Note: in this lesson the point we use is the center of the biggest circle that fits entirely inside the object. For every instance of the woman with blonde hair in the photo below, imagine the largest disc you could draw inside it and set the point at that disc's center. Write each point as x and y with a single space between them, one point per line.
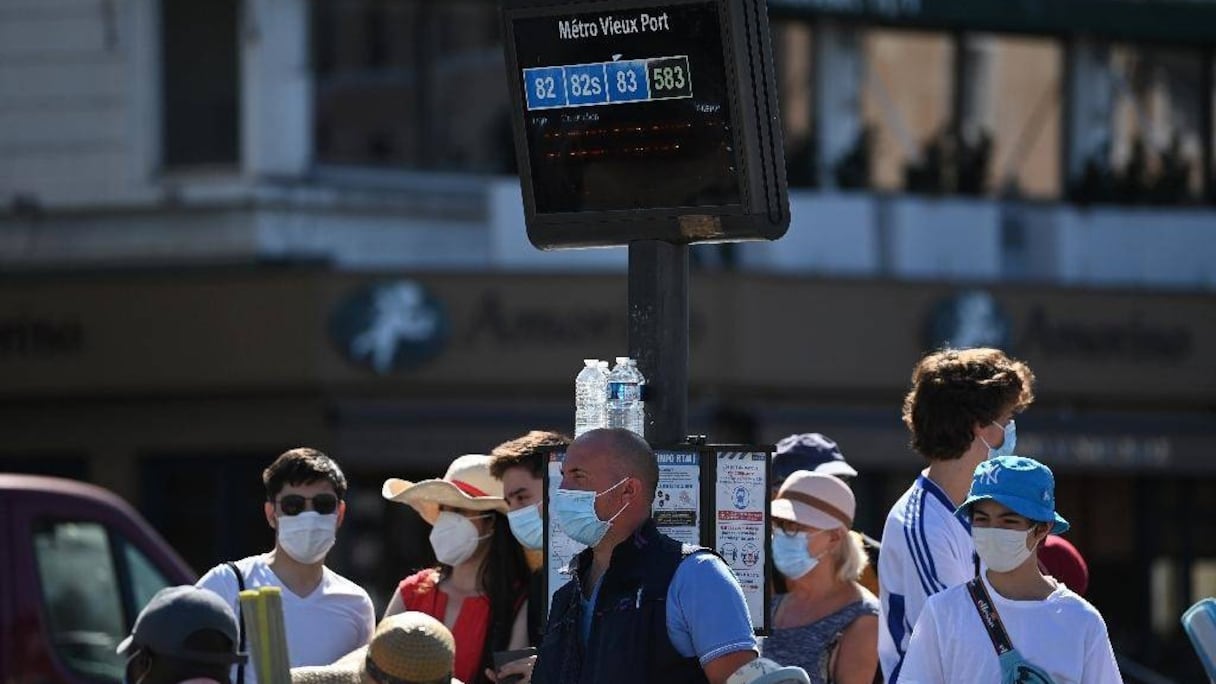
826 622
479 590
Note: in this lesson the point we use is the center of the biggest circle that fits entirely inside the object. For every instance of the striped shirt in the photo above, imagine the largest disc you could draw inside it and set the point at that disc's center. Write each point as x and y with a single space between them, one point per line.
926 548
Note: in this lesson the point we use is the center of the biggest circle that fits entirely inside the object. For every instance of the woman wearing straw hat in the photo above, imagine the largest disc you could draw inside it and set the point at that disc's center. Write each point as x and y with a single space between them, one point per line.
408 648
827 623
479 589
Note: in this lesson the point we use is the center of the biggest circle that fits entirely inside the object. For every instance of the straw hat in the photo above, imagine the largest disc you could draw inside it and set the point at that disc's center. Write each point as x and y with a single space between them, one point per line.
467 484
814 499
407 648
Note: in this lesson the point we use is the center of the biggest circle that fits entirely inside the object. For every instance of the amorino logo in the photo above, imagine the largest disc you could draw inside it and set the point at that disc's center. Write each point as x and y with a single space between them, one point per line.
390 326
967 319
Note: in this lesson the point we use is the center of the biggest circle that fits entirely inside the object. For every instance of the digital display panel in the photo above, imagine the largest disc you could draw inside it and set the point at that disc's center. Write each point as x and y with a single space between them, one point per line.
627 109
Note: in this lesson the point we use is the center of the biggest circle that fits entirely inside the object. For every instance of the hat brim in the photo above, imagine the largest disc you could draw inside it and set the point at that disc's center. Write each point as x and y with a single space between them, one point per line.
338 673
803 514
428 495
1031 510
836 468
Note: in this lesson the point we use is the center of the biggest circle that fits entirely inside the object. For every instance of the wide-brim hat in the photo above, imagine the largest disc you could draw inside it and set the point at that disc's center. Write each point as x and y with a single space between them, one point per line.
467 484
408 647
816 500
1023 485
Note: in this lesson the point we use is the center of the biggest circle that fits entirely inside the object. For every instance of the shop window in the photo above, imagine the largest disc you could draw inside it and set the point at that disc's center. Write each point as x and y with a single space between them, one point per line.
906 103
200 83
1012 112
410 84
793 60
80 590
1154 154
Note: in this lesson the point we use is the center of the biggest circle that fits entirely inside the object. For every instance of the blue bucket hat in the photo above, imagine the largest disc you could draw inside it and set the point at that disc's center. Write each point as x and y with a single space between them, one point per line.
1022 484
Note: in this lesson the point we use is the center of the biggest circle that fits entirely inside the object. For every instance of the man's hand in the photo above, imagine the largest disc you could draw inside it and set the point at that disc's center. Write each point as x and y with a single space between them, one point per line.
522 667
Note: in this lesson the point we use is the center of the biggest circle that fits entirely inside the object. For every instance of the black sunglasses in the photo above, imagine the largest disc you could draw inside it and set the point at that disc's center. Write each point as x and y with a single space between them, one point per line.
294 504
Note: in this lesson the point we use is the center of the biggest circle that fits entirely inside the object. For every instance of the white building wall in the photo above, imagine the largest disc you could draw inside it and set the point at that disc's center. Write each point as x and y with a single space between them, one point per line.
68 116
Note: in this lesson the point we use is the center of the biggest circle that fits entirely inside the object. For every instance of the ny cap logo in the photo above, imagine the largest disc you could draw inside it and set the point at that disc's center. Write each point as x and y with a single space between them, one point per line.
989 475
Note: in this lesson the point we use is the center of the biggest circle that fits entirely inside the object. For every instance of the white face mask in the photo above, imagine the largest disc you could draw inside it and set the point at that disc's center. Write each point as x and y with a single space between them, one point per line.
1001 550
454 538
307 537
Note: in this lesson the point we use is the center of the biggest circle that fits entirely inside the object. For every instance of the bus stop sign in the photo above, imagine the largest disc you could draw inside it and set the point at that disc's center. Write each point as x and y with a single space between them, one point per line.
645 121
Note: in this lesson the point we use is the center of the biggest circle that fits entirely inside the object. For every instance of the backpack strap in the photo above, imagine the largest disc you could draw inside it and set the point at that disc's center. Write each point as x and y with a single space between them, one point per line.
989 616
240 618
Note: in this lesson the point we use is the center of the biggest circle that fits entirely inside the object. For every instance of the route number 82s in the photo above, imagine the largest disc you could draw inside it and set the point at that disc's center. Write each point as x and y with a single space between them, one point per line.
585 84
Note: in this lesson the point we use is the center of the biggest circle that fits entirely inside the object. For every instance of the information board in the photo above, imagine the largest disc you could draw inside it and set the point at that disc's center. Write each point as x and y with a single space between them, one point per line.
741 529
643 120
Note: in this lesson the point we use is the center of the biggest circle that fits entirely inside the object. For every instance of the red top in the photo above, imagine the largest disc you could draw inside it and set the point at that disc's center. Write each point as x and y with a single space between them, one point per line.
419 592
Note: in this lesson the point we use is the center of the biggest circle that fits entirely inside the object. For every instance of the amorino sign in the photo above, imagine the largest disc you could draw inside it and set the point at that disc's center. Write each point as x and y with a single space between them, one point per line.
753 336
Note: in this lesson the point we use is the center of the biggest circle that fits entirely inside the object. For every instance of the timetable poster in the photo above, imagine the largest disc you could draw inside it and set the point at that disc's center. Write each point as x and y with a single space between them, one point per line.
677 503
740 530
559 548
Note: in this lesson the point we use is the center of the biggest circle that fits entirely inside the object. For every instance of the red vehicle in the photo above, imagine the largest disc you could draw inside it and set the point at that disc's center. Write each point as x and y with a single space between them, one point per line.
77 564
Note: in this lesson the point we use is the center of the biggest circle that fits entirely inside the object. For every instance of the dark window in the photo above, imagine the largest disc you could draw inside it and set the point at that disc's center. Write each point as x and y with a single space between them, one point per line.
200 82
80 589
410 84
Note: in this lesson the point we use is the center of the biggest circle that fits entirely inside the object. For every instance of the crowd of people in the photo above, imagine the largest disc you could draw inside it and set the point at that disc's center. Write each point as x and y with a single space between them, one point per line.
970 582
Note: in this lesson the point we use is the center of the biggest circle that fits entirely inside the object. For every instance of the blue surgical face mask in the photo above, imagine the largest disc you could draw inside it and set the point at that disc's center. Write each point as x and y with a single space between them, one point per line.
527 526
1007 445
574 510
791 555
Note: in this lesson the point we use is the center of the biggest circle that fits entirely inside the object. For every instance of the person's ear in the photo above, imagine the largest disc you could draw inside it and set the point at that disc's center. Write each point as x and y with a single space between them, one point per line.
268 509
1039 532
341 511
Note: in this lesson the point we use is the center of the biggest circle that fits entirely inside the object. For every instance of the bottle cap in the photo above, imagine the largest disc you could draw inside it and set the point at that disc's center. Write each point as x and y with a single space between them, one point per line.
592 362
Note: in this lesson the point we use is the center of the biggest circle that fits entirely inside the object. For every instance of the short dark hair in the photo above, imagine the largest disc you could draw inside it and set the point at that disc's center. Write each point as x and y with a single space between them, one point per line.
302 466
528 451
633 457
953 390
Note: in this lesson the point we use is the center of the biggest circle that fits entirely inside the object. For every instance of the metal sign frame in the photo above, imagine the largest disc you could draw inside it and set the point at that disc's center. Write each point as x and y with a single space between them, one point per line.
763 210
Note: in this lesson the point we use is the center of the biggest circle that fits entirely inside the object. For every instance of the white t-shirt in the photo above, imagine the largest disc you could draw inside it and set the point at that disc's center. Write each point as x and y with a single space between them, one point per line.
335 619
925 549
1063 635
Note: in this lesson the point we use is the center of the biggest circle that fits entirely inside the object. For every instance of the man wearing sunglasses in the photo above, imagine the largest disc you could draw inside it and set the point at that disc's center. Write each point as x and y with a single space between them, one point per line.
326 615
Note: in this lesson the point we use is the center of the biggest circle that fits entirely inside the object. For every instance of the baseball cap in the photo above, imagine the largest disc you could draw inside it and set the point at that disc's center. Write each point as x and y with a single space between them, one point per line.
1063 561
1022 484
809 451
815 499
174 615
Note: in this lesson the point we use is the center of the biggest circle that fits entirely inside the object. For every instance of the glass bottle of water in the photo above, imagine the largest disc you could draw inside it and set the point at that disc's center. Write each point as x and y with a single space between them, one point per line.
590 397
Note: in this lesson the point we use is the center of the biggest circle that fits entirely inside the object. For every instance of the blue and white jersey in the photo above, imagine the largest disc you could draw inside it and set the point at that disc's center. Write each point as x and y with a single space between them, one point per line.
926 548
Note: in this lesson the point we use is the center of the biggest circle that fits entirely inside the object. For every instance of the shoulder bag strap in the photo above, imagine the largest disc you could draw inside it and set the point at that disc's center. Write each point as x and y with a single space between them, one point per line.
989 616
240 618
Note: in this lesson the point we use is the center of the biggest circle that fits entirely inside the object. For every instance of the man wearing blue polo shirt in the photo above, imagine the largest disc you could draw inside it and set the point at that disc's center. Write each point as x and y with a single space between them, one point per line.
640 607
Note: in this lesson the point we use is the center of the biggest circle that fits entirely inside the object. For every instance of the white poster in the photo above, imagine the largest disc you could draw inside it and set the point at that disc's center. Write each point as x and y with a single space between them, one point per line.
677 503
740 532
560 548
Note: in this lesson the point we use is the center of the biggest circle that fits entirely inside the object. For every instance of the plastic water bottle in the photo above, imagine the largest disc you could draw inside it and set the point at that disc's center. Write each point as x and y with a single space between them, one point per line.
590 396
625 407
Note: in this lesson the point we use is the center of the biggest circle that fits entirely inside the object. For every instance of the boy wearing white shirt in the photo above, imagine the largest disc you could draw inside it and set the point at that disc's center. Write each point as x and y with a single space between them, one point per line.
1013 624
959 411
326 615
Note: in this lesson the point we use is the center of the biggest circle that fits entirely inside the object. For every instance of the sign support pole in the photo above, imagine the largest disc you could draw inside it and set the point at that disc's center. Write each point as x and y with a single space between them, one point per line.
658 334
